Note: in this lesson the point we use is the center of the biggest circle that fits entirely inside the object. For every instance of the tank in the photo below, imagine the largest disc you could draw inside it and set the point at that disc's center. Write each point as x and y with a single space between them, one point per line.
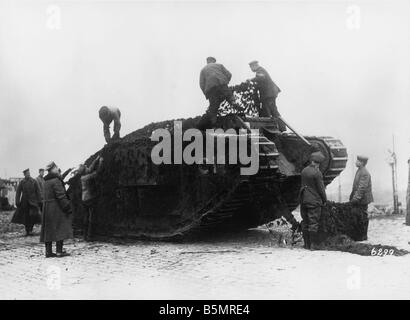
138 198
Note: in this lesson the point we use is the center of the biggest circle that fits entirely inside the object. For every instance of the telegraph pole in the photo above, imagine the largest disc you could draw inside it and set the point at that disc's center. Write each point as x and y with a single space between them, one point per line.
408 198
393 163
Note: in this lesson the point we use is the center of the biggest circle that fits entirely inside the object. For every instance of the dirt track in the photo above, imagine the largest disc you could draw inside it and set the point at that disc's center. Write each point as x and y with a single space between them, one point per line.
251 265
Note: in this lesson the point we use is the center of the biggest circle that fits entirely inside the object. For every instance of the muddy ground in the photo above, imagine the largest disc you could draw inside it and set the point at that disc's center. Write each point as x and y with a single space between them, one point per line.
255 264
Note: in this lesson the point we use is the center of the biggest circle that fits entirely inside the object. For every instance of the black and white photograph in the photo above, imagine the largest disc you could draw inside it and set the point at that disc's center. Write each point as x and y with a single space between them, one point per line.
204 150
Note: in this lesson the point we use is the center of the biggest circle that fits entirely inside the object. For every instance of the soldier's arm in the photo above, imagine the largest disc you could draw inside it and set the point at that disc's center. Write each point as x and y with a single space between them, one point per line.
202 81
18 194
61 196
362 186
321 187
259 77
38 191
107 134
227 73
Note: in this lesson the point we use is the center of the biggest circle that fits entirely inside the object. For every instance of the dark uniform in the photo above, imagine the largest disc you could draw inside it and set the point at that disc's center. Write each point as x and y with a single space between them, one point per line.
268 92
312 197
360 197
28 200
57 214
213 80
89 193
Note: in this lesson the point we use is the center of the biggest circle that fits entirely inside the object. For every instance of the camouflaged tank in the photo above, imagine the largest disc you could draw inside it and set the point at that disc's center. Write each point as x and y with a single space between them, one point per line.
137 198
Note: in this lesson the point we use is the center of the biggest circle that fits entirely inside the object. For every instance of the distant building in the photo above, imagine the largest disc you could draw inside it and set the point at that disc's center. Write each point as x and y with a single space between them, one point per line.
8 189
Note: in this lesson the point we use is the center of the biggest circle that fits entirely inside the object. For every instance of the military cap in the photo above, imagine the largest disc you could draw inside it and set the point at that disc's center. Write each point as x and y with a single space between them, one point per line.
50 166
362 158
253 62
317 157
24 171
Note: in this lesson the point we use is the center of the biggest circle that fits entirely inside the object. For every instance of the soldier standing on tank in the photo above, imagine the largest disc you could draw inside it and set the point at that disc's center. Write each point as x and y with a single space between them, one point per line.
312 198
361 195
268 92
108 115
214 80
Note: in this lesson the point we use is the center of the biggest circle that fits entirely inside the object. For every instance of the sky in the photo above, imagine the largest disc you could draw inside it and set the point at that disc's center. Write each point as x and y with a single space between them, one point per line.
342 66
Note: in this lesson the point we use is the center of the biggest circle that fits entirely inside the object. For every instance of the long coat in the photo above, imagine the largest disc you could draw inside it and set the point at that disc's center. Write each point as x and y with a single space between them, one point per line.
28 198
267 88
312 191
57 213
40 181
362 187
213 75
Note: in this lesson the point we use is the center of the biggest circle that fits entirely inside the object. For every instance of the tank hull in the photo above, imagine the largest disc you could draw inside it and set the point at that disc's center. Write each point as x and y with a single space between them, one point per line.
140 199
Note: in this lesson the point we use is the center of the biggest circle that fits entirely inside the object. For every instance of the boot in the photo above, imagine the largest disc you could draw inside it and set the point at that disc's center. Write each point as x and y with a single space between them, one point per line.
306 240
49 250
59 249
315 241
28 230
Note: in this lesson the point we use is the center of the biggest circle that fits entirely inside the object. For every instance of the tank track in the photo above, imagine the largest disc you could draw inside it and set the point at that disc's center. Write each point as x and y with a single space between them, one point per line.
248 189
336 157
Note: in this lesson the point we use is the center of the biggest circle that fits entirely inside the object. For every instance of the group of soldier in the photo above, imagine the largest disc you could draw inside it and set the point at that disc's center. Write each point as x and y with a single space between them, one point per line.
47 194
44 200
214 79
313 198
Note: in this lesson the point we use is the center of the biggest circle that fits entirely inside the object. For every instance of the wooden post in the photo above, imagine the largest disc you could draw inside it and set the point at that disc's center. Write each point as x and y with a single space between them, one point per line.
408 199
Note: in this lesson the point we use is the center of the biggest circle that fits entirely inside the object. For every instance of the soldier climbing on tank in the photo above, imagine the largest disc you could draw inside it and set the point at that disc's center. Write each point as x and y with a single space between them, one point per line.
312 198
108 115
213 80
361 195
89 192
268 92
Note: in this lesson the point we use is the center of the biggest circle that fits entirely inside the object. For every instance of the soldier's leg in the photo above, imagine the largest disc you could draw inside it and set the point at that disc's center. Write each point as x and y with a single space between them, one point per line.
314 220
358 221
365 220
214 102
59 249
273 107
49 249
86 222
265 110
59 246
304 226
227 94
275 113
90 217
117 127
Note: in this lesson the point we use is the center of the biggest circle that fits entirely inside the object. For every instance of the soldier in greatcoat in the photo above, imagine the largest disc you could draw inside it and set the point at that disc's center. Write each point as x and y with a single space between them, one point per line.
57 213
28 201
